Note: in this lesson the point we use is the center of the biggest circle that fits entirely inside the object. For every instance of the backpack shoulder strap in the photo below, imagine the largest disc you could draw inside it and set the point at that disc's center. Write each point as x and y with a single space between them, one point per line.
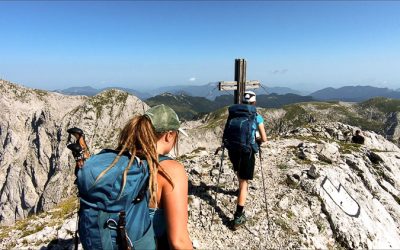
107 150
163 158
143 191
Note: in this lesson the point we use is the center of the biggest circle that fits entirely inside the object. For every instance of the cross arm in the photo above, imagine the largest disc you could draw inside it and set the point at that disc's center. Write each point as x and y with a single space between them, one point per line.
232 85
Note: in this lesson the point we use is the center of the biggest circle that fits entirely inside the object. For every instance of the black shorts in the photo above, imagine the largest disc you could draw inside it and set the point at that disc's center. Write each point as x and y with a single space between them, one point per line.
243 163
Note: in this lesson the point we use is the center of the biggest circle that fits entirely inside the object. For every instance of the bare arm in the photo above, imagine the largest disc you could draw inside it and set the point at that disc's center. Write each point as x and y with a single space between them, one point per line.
175 204
263 134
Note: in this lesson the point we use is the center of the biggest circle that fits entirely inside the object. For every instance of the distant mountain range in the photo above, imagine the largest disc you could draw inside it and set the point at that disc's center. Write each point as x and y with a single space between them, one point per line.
354 93
268 101
286 95
209 91
190 107
90 91
85 90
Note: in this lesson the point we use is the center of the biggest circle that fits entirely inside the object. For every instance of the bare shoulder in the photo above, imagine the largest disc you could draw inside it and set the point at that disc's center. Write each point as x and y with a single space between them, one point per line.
174 169
177 175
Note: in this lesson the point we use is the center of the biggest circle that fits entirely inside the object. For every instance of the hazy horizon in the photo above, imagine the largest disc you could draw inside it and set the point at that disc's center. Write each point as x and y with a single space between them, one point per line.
147 89
305 46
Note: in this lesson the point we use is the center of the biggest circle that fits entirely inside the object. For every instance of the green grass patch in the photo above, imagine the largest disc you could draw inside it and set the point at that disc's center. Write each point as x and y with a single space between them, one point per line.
65 208
33 230
364 123
303 161
206 165
40 93
109 97
283 166
27 226
283 225
4 231
296 115
324 105
216 118
386 105
198 150
290 214
187 107
356 118
185 157
320 225
348 148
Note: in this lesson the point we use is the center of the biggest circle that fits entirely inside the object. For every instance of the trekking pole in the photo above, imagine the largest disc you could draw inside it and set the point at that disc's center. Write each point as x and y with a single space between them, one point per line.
80 151
219 175
263 180
123 237
76 238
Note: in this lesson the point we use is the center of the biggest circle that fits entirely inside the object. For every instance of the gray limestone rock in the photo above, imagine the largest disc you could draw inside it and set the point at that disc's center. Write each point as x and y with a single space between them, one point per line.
37 166
354 203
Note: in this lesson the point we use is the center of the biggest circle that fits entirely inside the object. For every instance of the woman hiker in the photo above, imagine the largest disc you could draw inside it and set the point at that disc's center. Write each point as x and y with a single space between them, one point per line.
148 138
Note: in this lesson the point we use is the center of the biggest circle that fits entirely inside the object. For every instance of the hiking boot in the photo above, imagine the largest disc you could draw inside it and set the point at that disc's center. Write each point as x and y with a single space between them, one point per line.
238 221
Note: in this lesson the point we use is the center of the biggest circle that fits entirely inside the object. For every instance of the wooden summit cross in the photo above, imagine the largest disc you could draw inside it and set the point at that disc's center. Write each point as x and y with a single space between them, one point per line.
240 84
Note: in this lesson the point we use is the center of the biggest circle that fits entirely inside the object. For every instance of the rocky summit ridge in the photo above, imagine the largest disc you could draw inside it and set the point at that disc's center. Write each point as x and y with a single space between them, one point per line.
322 191
36 167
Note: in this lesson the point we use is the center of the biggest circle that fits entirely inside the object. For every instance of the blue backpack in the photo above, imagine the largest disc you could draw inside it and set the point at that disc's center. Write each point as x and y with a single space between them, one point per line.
238 133
110 219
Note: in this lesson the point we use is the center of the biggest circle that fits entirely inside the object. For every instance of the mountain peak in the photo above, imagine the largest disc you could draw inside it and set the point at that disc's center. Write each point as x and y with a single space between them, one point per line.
354 93
169 94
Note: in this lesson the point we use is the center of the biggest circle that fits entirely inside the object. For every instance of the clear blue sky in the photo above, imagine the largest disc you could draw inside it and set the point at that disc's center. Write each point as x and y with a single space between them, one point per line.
142 45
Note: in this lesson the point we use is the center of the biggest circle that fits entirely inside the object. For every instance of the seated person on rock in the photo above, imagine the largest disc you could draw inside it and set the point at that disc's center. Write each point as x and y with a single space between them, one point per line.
358 138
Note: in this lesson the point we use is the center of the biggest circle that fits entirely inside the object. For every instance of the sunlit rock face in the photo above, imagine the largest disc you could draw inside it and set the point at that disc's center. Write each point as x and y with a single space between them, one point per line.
36 167
321 190
393 127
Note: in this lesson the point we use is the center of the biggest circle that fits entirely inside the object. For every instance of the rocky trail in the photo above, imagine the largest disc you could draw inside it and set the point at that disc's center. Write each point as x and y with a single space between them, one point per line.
351 200
259 232
323 192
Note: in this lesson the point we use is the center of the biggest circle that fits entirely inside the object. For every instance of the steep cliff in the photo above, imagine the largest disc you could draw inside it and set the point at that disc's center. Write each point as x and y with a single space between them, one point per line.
322 191
36 167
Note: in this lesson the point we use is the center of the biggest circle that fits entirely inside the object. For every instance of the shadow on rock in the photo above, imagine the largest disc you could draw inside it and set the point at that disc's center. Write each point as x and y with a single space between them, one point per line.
60 244
201 191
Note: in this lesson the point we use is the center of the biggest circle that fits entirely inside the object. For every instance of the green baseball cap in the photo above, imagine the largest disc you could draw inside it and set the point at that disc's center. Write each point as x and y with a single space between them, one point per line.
164 119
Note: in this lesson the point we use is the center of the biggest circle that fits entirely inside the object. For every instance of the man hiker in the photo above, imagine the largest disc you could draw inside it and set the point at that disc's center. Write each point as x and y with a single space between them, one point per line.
241 156
358 138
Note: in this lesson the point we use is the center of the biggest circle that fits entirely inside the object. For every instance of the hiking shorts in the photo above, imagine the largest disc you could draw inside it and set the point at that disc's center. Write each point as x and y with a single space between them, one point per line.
243 164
